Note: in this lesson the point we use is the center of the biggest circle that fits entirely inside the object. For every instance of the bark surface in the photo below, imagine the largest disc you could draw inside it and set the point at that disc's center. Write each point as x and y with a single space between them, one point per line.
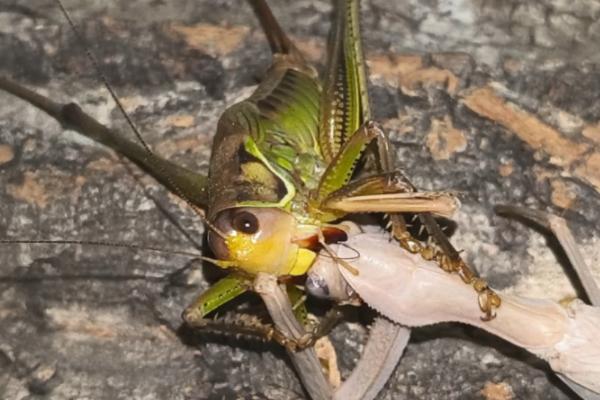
496 100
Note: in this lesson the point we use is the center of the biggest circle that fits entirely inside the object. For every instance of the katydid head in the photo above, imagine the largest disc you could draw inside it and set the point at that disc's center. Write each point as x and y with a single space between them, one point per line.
259 239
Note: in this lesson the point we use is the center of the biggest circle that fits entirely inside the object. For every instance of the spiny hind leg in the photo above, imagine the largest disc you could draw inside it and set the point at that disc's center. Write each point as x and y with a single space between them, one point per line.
397 223
389 192
444 253
251 326
247 325
222 292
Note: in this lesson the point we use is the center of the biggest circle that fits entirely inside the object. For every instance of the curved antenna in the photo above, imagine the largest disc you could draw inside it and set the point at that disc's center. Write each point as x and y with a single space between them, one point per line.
219 263
103 78
559 227
9 278
101 243
130 123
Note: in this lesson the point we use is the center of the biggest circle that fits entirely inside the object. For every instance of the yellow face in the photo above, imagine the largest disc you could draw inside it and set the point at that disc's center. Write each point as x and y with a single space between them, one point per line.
260 240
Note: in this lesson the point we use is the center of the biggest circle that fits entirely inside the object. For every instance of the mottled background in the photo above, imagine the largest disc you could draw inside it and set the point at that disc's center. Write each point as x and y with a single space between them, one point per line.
495 99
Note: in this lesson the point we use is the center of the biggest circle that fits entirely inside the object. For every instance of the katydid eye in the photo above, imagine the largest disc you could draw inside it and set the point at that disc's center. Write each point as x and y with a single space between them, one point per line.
245 222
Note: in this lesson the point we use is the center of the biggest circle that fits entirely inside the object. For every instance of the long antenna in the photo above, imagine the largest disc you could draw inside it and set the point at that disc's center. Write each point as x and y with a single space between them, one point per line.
101 243
137 133
103 78
220 263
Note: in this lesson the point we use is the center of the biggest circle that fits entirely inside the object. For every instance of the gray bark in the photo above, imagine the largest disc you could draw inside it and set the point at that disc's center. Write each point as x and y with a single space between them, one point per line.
103 323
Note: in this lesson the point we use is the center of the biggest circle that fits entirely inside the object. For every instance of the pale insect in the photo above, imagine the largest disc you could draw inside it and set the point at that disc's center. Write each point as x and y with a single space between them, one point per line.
414 292
176 82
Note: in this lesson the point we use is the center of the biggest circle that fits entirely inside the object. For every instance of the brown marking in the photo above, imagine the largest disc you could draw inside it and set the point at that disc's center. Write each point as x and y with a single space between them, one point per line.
497 391
328 358
592 132
30 191
541 173
104 164
389 67
408 72
193 144
506 169
313 49
590 170
434 77
6 154
180 121
217 41
456 62
513 66
80 322
40 187
131 103
540 136
29 145
561 195
444 140
76 192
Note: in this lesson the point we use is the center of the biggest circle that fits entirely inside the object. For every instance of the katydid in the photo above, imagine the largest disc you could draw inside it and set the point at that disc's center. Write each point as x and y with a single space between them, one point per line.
283 160
282 164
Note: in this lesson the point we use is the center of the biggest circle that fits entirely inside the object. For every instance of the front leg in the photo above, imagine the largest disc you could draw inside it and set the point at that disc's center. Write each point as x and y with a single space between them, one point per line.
232 286
286 329
251 326
225 290
558 226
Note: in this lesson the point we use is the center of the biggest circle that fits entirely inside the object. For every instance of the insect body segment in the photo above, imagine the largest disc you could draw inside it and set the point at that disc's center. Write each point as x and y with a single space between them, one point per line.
260 240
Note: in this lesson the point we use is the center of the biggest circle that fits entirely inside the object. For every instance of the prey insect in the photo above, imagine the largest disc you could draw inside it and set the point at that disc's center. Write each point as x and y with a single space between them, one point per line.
565 335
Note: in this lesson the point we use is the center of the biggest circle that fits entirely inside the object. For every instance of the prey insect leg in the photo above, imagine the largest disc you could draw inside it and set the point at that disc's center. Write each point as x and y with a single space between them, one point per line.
558 226
251 326
561 230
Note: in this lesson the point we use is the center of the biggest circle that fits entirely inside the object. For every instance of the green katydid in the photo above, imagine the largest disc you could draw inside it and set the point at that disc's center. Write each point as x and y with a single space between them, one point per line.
283 166
283 160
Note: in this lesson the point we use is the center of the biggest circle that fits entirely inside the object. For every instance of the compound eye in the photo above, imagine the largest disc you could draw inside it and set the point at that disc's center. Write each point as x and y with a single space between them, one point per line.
245 222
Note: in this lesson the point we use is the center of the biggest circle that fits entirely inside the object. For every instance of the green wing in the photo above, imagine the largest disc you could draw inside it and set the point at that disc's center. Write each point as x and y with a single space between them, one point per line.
345 100
266 149
287 122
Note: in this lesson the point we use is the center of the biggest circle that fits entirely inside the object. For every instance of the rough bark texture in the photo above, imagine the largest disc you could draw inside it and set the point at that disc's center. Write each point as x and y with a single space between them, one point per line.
513 119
